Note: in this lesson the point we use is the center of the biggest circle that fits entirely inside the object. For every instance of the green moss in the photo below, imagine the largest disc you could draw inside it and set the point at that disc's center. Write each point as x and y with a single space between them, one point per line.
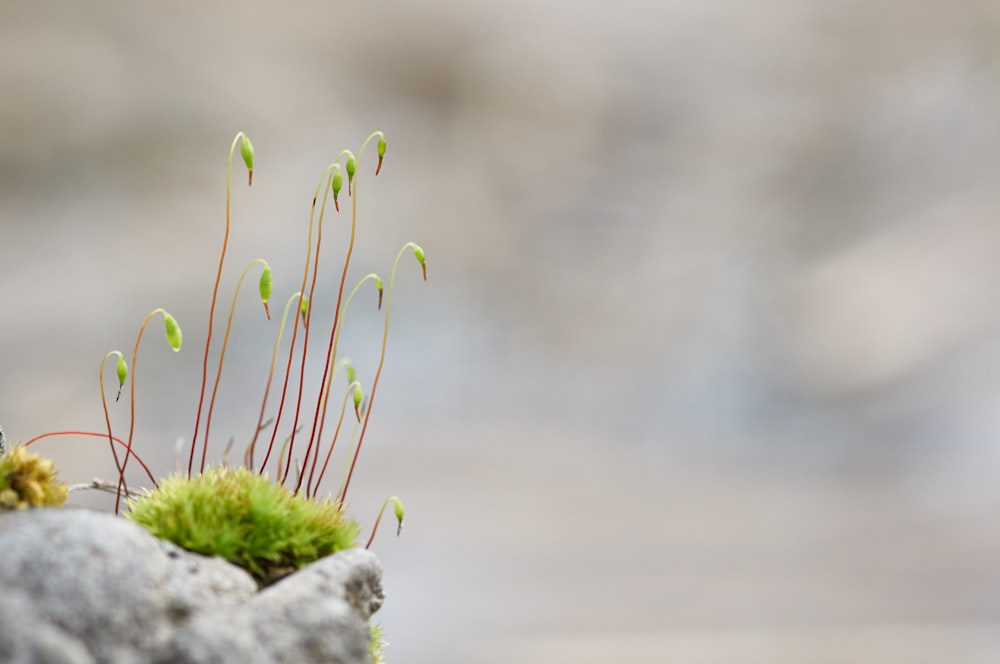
28 480
245 518
376 644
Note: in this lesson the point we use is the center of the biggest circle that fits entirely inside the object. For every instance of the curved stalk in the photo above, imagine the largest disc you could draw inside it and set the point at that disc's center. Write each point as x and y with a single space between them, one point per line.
174 339
122 370
222 352
267 387
419 255
281 452
327 177
95 434
305 340
353 439
247 153
398 508
352 189
354 389
320 419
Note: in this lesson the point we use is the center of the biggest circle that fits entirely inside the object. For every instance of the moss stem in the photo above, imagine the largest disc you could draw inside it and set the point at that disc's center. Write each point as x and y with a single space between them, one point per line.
104 403
240 137
320 420
312 488
418 252
94 434
305 341
176 345
331 354
222 356
399 518
326 177
267 387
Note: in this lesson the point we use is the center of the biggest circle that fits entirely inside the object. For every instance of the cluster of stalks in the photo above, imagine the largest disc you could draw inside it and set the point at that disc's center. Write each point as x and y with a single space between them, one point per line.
309 471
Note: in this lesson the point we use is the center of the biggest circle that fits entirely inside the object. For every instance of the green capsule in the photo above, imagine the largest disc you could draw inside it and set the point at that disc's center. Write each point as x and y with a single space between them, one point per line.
418 253
351 167
381 153
122 370
246 150
336 185
399 514
265 287
359 396
174 335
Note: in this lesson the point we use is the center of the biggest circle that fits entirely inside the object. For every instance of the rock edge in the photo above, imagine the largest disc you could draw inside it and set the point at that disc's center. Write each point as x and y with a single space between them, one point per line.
83 587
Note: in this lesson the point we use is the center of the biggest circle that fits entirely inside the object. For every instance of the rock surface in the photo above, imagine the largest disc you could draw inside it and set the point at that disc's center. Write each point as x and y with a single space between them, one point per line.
81 587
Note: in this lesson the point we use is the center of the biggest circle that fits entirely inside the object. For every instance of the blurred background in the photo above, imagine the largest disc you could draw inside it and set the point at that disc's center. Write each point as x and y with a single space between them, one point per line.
707 367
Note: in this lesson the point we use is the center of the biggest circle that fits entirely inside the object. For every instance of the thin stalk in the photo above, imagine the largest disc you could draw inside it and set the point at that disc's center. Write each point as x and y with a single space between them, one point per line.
351 373
240 138
331 354
104 400
248 452
398 506
267 386
281 452
100 485
174 339
353 439
305 340
319 421
312 488
222 354
328 379
419 254
326 177
95 434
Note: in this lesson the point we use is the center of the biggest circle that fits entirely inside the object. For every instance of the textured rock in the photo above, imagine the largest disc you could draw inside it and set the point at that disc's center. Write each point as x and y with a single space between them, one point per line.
78 587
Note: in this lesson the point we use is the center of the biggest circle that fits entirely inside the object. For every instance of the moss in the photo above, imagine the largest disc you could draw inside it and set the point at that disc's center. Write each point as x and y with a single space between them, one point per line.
28 480
245 518
376 645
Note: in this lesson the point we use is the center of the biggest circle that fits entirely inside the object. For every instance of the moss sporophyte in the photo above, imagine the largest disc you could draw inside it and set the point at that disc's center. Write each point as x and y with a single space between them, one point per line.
258 515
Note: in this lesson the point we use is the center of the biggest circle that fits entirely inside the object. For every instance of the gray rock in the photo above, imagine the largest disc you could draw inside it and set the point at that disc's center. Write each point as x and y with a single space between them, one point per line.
81 587
25 638
351 586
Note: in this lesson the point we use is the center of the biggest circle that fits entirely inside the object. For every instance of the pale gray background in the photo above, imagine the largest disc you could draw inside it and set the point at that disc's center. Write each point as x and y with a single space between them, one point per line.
708 365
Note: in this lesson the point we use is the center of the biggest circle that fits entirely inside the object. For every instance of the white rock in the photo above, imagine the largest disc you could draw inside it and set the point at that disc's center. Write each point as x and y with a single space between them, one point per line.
81 586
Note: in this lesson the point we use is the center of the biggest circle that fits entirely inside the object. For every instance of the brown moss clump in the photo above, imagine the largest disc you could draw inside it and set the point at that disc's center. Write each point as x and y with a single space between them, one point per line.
28 480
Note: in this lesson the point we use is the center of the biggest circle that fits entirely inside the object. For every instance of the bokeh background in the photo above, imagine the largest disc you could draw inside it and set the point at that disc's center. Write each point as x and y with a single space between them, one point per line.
707 368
